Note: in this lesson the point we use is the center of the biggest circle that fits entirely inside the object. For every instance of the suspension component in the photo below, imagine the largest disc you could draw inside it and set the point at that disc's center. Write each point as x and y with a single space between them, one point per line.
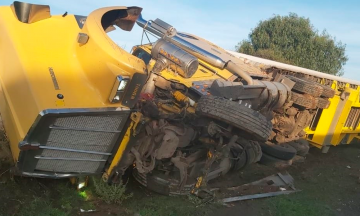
181 98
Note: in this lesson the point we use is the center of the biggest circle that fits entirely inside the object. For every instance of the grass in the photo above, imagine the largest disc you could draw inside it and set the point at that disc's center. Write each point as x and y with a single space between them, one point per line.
165 206
299 204
110 193
70 199
41 207
309 201
325 187
30 197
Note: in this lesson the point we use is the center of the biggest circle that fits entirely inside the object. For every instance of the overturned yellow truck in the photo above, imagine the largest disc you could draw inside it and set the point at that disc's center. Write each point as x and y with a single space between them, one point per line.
177 112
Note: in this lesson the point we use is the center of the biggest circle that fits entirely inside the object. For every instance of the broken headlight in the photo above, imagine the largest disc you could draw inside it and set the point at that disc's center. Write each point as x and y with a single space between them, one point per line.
118 89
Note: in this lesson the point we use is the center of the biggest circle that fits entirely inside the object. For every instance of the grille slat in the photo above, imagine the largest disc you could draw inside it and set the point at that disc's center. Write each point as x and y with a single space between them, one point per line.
67 154
73 150
68 166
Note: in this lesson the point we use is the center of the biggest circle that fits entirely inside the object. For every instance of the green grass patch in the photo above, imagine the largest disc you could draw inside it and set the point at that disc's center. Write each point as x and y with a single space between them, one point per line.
298 204
168 206
110 193
41 207
70 199
29 197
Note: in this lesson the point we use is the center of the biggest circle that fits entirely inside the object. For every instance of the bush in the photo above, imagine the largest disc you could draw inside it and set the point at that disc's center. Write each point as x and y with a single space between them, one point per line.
110 193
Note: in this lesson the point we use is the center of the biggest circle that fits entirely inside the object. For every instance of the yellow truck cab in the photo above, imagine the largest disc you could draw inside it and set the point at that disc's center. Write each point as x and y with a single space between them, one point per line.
180 111
67 89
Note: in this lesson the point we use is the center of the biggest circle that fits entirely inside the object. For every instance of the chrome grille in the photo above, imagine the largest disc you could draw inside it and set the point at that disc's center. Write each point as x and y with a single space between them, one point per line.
79 143
80 140
89 122
68 166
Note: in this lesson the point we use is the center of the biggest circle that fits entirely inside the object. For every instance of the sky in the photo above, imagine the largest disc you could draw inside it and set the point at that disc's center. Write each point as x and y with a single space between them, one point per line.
226 23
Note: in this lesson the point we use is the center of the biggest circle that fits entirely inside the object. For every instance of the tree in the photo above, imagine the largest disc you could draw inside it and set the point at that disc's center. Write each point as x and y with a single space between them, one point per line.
293 40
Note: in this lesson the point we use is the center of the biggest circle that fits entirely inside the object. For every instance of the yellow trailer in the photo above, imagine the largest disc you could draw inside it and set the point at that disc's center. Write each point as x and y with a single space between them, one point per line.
339 123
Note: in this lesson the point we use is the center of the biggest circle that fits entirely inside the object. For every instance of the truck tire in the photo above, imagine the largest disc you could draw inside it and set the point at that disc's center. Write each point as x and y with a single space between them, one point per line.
323 103
249 152
301 145
270 160
258 151
161 183
240 116
307 87
241 159
281 151
304 100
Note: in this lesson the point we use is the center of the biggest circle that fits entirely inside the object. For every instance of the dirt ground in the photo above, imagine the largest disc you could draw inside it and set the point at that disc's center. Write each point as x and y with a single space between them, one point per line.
329 184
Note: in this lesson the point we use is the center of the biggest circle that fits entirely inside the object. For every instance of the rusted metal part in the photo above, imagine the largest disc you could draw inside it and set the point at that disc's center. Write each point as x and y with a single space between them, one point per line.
292 111
284 124
279 179
188 136
213 129
168 145
182 165
140 165
303 119
192 158
274 185
225 164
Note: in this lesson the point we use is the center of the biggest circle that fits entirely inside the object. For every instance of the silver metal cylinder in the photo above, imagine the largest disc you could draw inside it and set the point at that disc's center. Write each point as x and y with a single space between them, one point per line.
161 29
179 60
183 44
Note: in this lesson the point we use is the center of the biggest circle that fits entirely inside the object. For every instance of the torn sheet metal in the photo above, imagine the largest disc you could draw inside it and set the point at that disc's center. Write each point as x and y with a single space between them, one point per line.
284 182
279 179
255 196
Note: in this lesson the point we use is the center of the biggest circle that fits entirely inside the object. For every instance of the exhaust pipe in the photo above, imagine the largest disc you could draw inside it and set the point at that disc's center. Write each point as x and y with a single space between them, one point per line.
167 32
234 69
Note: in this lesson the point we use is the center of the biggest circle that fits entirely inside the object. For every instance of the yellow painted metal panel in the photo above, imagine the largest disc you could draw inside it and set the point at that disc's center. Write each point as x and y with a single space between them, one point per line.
324 122
344 114
41 60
